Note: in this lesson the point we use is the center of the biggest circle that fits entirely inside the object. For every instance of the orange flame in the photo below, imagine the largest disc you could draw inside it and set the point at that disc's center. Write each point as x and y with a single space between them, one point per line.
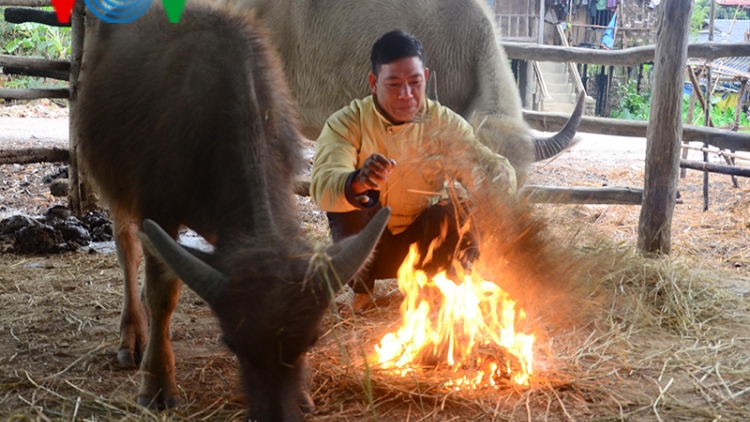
473 314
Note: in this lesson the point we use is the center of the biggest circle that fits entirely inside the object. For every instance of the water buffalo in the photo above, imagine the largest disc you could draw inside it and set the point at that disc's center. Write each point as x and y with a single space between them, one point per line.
191 124
325 47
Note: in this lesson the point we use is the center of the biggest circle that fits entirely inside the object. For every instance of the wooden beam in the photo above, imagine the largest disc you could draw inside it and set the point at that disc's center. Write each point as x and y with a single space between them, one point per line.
33 94
664 134
32 66
632 56
23 15
34 63
582 195
62 76
26 3
33 155
715 168
553 122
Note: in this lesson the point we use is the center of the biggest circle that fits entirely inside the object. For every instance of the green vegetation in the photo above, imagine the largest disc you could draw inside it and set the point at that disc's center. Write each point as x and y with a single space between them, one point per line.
702 11
636 105
33 40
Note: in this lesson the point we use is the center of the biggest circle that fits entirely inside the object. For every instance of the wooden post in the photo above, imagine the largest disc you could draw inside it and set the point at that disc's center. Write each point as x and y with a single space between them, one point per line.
663 136
699 94
526 83
76 54
736 127
690 113
707 108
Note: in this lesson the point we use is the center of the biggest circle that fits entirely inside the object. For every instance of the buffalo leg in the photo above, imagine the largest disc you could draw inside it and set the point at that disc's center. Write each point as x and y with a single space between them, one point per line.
158 387
133 328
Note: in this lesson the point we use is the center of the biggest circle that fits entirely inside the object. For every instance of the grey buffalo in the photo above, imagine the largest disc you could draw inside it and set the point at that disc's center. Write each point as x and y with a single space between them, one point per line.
325 47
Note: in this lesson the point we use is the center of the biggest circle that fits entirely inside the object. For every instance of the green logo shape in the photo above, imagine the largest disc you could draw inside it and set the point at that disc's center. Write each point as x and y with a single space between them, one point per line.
174 9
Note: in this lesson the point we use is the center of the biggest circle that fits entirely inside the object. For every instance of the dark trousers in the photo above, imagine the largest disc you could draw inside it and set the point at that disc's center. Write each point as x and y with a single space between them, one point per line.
391 249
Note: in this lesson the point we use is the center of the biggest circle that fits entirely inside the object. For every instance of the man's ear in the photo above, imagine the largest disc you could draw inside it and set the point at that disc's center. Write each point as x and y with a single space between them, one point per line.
372 81
426 74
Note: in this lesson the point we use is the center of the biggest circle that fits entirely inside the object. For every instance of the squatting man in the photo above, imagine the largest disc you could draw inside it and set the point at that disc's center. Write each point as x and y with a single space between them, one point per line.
374 153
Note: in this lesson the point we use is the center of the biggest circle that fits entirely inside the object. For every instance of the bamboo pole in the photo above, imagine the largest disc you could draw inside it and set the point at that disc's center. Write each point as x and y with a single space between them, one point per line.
663 137
715 168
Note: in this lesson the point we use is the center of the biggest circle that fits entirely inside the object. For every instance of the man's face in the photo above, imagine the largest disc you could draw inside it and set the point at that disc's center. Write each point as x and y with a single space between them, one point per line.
400 88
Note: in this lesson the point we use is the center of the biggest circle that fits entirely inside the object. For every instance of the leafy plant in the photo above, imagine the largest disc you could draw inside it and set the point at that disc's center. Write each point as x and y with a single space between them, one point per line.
33 39
633 105
719 118
637 106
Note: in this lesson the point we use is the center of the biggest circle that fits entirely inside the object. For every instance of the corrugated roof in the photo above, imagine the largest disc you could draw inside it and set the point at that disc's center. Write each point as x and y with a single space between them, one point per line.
722 29
728 67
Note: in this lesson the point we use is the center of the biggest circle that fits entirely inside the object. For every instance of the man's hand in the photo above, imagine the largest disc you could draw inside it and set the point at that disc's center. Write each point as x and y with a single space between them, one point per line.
374 172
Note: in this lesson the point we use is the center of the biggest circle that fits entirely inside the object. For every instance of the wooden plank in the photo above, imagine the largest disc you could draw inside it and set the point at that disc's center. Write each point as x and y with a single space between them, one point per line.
33 155
622 195
33 94
664 134
632 56
553 122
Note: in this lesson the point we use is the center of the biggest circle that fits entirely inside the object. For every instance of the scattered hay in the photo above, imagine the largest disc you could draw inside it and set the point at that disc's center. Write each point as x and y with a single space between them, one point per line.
662 339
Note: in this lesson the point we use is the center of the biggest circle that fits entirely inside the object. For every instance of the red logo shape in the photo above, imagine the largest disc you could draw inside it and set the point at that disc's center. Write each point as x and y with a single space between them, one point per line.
63 9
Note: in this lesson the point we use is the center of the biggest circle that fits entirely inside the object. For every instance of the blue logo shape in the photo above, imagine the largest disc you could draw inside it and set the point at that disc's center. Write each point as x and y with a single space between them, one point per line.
118 11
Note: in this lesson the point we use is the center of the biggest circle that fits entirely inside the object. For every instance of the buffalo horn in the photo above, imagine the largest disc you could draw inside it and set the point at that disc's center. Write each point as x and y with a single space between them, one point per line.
206 281
545 148
356 249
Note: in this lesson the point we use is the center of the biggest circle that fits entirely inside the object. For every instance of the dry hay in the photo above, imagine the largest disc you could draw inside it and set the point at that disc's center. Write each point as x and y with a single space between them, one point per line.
662 339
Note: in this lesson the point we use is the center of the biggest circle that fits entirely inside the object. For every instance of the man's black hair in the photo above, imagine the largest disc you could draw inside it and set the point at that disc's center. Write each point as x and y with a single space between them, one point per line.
393 46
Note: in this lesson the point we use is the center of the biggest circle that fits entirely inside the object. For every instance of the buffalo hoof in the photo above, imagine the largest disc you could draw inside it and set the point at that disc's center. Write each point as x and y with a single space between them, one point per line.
305 402
159 402
127 359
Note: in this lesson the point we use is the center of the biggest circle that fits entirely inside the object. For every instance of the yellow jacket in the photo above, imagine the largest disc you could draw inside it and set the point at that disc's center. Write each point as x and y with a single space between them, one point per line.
435 146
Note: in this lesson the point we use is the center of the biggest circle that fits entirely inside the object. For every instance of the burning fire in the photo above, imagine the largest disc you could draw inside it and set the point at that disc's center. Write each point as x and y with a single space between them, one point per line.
472 316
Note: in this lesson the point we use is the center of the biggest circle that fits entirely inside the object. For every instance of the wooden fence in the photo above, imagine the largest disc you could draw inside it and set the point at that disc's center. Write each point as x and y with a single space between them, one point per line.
541 121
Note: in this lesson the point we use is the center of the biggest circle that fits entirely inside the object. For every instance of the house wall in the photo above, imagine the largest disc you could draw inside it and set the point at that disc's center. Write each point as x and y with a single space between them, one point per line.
637 23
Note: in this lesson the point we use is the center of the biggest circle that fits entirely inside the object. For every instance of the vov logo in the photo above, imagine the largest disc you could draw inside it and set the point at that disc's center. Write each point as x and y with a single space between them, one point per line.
118 11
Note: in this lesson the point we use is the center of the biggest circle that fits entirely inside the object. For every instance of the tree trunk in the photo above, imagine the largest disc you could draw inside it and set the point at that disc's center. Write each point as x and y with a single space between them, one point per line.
664 133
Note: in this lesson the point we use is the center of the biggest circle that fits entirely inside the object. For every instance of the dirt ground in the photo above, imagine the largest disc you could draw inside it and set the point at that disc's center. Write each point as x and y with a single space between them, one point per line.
668 339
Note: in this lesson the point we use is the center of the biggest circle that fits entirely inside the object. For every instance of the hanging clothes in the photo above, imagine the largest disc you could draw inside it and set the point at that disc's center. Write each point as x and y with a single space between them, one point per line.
612 4
608 39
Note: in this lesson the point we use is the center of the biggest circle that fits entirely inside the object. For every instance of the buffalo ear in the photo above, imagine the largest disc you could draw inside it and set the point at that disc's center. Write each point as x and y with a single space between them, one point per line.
354 252
187 263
